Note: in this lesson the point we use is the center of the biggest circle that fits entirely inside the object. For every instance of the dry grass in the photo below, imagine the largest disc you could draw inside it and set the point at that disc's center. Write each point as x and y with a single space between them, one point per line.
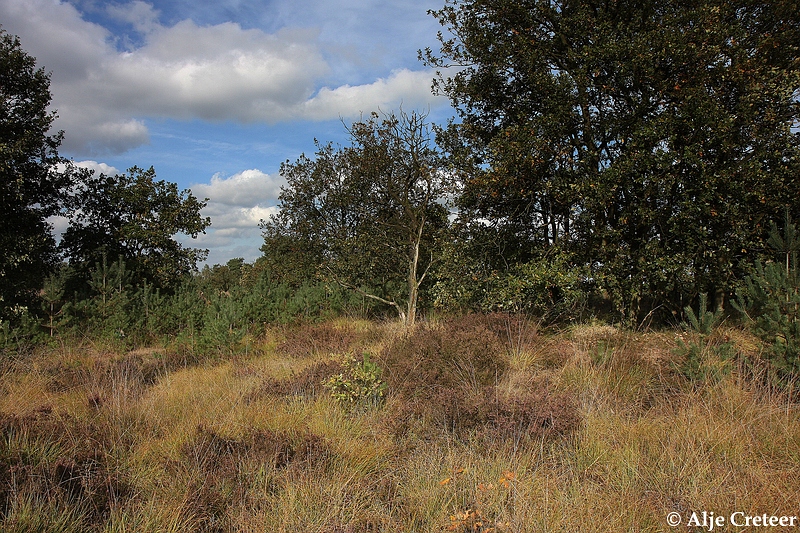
489 424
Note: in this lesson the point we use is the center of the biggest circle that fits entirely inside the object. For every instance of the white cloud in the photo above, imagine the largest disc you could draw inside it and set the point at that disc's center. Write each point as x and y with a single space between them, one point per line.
59 225
245 189
219 72
407 87
236 205
215 73
56 35
93 131
98 168
141 15
226 220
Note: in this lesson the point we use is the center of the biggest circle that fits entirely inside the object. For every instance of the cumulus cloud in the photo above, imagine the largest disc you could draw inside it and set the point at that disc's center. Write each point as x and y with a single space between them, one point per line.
236 205
58 225
411 88
140 15
98 168
104 88
215 73
247 188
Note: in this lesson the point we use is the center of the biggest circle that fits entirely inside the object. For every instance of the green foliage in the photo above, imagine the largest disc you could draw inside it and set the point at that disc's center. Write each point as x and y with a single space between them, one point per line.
704 360
651 140
33 178
550 288
769 299
22 333
107 313
366 216
224 326
53 300
134 218
225 277
627 154
359 385
704 321
197 315
787 244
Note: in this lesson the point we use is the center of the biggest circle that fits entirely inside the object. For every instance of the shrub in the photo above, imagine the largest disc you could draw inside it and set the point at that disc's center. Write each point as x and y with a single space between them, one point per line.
769 300
707 360
223 457
359 384
464 352
538 413
224 326
552 287
445 379
549 287
327 338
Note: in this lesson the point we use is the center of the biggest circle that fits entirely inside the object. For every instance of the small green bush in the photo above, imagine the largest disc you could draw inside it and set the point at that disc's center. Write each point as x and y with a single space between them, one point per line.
359 384
769 301
706 361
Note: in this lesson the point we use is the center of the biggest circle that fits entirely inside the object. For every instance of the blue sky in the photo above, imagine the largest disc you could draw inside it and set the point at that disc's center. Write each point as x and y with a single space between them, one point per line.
215 95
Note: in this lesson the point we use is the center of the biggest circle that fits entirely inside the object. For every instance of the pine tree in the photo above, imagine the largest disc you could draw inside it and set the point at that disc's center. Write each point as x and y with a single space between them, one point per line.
770 300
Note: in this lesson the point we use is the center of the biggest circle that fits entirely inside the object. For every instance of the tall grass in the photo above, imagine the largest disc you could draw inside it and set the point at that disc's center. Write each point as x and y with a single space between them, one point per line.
489 424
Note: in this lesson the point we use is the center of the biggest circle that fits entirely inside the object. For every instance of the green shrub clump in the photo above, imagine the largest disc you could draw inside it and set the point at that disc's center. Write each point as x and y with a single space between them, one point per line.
360 383
769 300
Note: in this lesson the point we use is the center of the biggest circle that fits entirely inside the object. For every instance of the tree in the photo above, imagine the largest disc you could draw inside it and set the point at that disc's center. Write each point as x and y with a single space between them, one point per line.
224 278
653 140
769 300
368 214
134 218
31 185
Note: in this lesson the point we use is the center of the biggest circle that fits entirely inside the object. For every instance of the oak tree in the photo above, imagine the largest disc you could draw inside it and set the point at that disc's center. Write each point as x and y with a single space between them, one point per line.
651 140
33 177
135 218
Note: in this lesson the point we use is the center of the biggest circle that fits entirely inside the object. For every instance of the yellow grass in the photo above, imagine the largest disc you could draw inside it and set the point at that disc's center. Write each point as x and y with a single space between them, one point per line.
199 448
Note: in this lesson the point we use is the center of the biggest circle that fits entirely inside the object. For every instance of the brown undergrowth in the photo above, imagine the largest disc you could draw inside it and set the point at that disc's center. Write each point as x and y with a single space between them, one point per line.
487 423
446 378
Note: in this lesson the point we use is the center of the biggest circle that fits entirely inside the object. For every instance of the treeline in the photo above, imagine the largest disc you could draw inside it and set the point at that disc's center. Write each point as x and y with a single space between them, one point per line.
216 311
627 161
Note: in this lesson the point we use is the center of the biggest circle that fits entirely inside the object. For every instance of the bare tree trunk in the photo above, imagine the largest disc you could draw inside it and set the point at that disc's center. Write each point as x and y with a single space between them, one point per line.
413 286
414 280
